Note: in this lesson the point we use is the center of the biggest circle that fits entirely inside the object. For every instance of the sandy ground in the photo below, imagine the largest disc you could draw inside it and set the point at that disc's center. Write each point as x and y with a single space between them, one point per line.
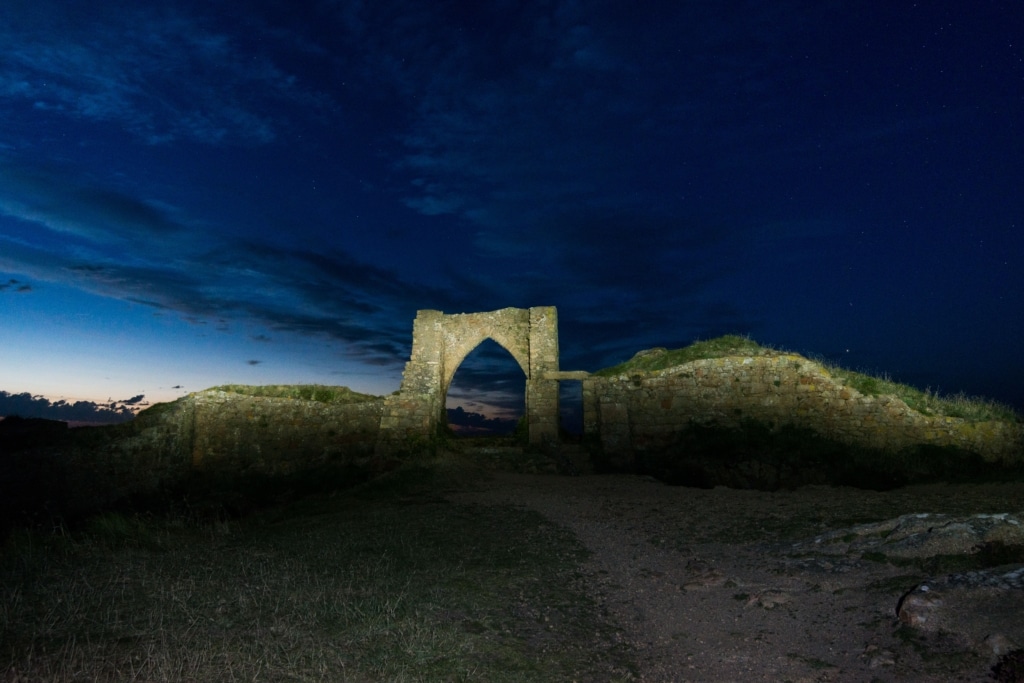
725 585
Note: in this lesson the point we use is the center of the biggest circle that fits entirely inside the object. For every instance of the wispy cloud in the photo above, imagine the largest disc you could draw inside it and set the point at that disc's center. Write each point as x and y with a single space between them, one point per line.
158 72
27 405
15 286
55 227
468 422
513 127
557 140
65 203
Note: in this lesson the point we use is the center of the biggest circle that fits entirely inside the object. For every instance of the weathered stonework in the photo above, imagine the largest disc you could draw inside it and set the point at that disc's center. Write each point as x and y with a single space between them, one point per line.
442 341
217 433
274 436
645 412
629 419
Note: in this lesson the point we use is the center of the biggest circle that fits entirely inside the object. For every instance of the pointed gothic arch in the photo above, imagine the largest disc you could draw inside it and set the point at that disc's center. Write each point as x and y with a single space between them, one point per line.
454 362
491 375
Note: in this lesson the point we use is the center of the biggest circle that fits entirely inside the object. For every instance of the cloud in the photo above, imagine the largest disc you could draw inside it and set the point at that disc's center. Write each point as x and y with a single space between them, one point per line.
489 380
199 290
105 240
27 405
67 204
559 136
15 286
466 423
511 125
154 70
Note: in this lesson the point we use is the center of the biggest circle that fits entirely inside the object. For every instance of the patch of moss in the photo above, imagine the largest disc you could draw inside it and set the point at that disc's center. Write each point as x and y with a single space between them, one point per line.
299 392
159 409
875 556
658 359
984 556
898 585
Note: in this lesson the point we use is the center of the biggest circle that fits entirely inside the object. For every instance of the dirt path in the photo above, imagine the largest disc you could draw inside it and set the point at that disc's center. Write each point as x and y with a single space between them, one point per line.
710 586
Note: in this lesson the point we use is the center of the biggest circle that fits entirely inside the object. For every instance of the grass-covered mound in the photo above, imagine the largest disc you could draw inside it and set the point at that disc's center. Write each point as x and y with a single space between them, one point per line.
299 392
776 450
925 401
653 360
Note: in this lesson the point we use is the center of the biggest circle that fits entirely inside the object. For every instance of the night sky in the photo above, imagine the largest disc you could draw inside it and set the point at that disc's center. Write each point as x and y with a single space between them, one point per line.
200 193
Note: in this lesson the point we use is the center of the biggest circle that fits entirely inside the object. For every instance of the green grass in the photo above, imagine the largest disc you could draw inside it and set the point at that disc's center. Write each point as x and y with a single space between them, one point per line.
660 358
926 402
301 392
387 582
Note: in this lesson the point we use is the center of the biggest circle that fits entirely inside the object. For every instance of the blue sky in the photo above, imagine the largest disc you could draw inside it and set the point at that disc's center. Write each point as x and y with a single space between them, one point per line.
193 195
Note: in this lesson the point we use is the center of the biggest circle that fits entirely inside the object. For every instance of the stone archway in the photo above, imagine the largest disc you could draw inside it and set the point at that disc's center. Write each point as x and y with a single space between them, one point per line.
440 342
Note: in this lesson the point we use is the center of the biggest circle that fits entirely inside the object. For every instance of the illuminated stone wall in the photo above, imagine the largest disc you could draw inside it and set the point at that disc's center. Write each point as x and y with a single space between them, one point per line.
626 417
276 436
640 412
439 345
217 433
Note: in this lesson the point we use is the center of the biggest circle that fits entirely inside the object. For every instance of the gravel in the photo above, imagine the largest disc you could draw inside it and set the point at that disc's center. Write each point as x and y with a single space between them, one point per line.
725 585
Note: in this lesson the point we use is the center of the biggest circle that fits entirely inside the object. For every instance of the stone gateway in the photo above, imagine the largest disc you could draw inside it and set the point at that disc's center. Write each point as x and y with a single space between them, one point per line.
442 341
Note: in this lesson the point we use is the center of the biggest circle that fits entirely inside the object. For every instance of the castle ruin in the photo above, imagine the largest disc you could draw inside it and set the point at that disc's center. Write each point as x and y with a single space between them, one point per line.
441 342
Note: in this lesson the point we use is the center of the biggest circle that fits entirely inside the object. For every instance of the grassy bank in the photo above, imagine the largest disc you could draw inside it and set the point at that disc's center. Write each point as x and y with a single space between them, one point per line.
300 392
388 582
926 402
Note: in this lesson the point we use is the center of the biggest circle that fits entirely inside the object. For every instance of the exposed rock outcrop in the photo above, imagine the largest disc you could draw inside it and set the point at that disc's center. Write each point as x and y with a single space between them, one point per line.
976 591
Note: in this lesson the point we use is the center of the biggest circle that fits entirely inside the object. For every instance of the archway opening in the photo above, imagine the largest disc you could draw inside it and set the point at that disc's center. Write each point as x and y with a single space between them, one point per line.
487 395
570 409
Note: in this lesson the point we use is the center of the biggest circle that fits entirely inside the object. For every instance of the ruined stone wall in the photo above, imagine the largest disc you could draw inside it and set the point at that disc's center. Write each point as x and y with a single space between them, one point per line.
274 436
460 333
542 388
219 433
107 464
627 417
639 412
